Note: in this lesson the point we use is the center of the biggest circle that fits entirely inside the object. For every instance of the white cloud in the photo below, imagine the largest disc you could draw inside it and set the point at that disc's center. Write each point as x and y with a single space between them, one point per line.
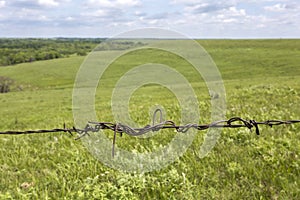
48 3
69 18
35 4
214 14
112 3
206 7
112 12
43 18
281 7
140 14
2 4
128 2
199 2
215 18
276 8
233 11
102 13
26 13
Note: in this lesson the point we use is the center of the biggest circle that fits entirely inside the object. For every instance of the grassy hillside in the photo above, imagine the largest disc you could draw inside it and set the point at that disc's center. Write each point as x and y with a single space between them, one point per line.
262 81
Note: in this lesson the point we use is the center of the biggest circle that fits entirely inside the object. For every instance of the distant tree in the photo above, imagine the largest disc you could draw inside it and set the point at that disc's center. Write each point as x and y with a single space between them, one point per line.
14 51
81 53
19 58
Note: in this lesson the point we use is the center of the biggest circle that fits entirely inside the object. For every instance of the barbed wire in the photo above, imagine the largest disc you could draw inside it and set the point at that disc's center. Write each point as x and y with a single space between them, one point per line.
92 127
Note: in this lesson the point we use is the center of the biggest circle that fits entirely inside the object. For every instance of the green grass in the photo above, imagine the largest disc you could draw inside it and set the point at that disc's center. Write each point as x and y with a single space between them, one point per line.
262 81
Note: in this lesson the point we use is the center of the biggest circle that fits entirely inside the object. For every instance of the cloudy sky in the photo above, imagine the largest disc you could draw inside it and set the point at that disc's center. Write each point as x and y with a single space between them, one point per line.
193 18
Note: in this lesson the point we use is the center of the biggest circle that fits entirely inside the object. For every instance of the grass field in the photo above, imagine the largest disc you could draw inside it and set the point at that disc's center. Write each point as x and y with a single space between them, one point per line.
262 82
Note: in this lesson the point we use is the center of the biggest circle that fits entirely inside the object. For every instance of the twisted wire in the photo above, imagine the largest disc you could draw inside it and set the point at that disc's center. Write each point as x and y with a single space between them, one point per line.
235 122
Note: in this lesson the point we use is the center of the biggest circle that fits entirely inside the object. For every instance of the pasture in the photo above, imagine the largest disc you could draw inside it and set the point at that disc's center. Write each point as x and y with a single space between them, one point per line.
262 82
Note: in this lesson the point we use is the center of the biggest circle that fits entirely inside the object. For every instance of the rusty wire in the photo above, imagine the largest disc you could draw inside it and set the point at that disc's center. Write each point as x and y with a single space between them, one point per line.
235 122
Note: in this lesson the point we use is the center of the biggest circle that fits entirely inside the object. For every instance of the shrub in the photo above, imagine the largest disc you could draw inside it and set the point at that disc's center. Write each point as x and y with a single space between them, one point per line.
5 84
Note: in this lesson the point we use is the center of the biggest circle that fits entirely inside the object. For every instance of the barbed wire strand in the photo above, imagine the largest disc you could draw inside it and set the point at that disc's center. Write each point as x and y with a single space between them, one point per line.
92 127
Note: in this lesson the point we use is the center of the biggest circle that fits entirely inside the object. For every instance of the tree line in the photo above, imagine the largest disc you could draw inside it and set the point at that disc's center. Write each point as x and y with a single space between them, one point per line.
14 50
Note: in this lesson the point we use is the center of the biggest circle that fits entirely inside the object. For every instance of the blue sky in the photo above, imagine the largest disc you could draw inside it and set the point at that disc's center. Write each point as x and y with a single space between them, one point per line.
193 18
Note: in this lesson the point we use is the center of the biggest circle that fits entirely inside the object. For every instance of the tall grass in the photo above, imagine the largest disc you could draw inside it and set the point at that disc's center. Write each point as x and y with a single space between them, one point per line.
262 81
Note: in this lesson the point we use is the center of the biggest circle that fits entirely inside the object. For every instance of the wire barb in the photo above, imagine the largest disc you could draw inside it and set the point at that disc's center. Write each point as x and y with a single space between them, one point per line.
93 127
